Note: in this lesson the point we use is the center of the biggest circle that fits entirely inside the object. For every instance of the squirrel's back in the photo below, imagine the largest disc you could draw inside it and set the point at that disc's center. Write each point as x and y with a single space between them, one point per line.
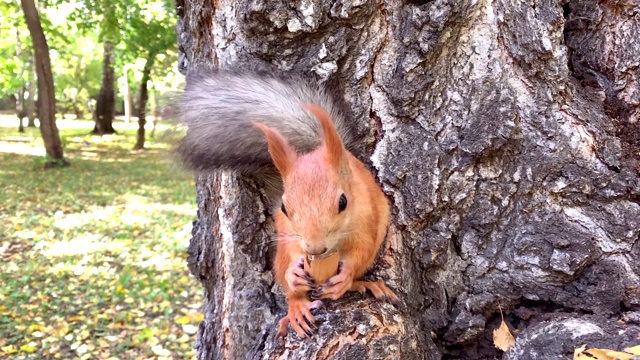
220 108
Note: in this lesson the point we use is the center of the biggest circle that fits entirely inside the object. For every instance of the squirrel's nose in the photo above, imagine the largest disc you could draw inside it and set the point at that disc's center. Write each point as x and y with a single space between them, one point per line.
315 250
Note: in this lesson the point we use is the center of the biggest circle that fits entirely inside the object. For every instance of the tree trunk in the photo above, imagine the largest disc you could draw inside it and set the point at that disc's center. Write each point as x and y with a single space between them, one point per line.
21 113
156 113
77 111
47 100
31 103
144 96
20 110
105 107
504 133
127 97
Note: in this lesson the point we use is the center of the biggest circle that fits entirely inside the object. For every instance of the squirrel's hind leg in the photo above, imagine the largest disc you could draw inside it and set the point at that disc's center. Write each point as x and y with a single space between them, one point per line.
378 288
299 316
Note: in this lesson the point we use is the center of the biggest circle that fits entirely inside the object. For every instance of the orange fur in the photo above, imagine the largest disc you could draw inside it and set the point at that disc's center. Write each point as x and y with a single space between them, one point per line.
333 145
282 154
313 184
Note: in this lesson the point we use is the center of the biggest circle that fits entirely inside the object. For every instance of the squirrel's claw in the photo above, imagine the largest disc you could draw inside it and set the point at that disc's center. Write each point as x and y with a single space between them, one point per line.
300 317
282 327
298 279
336 286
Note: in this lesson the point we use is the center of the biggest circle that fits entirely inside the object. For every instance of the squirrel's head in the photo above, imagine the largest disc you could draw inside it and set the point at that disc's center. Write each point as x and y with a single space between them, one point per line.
317 199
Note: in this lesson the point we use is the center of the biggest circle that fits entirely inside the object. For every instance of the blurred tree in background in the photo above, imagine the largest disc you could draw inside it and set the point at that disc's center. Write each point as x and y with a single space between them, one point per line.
16 62
150 36
46 92
128 30
107 57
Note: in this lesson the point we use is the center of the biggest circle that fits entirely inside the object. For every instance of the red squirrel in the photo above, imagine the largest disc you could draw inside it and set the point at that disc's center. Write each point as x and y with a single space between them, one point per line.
329 201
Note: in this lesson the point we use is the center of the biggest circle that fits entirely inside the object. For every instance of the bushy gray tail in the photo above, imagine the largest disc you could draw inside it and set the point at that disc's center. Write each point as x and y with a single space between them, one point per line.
219 109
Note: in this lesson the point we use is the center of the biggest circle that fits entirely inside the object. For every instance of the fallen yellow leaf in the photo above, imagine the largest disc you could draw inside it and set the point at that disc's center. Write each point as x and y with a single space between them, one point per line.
199 317
502 338
62 330
604 354
182 320
599 354
190 329
619 355
35 327
9 349
582 356
160 351
120 290
635 350
28 348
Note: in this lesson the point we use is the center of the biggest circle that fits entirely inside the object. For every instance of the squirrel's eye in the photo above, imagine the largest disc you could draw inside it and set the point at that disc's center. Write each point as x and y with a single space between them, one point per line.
342 203
284 210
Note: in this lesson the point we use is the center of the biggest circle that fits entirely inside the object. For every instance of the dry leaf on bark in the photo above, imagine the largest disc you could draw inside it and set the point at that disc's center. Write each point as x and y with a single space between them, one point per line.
502 338
605 354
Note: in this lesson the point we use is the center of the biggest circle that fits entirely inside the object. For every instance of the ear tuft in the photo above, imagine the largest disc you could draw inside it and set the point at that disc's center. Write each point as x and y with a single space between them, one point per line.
331 138
282 154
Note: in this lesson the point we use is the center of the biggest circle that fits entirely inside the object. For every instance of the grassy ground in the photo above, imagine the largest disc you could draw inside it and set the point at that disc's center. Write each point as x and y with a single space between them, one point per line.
92 257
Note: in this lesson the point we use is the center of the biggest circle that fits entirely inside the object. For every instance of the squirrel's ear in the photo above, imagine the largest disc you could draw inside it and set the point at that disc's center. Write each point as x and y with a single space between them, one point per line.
281 153
331 138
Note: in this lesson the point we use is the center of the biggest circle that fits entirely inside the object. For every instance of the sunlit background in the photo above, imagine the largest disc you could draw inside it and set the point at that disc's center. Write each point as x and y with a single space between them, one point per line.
93 256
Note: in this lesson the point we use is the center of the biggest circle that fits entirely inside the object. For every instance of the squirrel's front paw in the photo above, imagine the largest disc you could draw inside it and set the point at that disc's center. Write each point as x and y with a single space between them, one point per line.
297 278
300 317
336 286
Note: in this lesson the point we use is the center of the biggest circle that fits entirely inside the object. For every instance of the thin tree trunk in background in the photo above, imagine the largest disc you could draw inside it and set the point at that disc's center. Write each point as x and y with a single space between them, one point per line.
156 113
47 101
144 96
76 109
20 111
31 102
127 97
105 107
502 132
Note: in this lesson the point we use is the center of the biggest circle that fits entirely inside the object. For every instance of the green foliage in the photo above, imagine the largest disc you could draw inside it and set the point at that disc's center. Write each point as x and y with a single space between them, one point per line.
75 30
150 35
92 257
76 60
141 31
14 69
138 27
150 29
105 15
77 72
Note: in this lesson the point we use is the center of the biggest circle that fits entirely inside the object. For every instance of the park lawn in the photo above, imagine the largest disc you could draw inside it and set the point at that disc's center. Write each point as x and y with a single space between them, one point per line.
93 256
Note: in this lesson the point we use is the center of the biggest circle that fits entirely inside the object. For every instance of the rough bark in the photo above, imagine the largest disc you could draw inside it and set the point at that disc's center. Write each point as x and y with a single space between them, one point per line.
144 96
105 106
603 53
490 125
46 95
